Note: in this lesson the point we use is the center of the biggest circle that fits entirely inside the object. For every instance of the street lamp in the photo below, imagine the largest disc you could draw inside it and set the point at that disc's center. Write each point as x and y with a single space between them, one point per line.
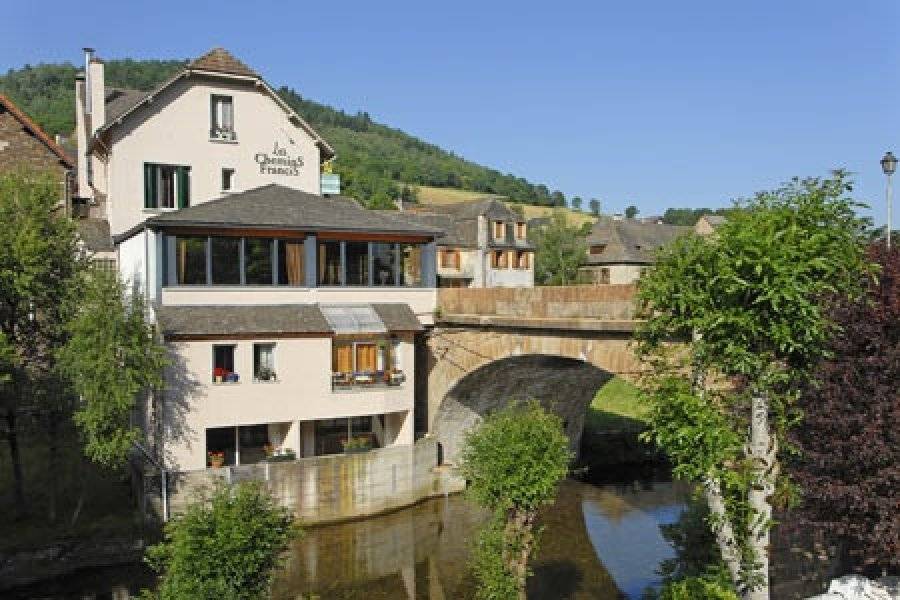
889 165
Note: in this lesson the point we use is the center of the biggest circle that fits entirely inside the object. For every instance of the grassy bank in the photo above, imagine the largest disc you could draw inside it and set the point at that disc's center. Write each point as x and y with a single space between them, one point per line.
616 407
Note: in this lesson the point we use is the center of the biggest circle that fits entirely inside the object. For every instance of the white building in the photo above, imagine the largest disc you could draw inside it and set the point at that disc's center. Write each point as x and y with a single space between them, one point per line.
290 316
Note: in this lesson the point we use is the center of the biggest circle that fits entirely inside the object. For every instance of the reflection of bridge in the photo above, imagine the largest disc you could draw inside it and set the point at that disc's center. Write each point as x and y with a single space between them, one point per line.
555 344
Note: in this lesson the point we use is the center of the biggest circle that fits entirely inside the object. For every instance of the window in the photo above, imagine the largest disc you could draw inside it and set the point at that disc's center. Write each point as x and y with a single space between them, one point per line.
499 259
190 260
450 259
603 275
291 263
357 263
520 231
258 261
522 260
223 364
598 249
166 186
264 362
329 263
499 230
225 255
221 118
384 258
227 180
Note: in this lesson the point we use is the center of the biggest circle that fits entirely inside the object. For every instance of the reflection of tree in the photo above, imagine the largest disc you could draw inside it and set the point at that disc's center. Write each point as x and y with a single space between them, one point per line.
695 546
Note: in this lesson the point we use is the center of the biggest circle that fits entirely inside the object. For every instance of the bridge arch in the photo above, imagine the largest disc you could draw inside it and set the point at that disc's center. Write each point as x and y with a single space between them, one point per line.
561 384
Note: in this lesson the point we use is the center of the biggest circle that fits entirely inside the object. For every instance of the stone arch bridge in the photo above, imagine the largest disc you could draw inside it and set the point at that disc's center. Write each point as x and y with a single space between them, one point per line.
557 345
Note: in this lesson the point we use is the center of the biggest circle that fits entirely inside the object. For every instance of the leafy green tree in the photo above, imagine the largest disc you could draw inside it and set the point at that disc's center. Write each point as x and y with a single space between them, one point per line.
631 212
576 203
514 460
557 198
595 207
38 272
746 303
560 251
227 548
110 358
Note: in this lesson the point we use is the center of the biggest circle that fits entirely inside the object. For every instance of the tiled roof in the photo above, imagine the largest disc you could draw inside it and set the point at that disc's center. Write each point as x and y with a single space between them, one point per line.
274 206
271 319
118 101
36 130
94 233
630 241
241 320
221 61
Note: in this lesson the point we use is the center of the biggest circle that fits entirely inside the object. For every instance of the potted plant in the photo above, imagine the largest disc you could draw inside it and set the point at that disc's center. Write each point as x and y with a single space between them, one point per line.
266 374
216 459
219 374
283 455
355 445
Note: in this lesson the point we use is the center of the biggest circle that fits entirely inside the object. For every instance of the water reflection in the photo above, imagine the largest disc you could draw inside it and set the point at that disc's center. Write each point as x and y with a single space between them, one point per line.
599 542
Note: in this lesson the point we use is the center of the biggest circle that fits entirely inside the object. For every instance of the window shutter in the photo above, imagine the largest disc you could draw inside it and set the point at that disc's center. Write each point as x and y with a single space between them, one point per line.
184 187
149 185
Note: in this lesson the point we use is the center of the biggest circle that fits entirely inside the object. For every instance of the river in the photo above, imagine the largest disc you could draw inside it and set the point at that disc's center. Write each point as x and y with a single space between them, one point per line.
599 541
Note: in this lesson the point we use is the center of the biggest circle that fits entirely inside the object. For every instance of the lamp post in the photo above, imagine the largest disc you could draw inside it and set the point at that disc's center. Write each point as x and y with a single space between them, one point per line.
889 165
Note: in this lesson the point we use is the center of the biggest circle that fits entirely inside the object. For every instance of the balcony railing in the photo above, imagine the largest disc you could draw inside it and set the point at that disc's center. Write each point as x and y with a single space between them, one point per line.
367 380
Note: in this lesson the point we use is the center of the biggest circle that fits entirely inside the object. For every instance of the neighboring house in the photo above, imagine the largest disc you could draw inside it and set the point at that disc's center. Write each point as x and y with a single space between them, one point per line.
619 250
289 316
707 224
23 144
485 243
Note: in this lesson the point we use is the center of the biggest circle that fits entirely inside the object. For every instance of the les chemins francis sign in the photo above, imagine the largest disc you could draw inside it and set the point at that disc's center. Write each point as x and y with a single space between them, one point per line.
278 162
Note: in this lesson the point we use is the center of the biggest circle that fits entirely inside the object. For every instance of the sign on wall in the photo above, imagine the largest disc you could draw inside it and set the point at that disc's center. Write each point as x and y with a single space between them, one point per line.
278 162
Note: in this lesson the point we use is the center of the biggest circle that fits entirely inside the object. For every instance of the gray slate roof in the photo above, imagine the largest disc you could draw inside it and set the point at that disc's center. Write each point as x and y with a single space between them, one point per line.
94 233
459 221
274 206
118 101
630 242
270 319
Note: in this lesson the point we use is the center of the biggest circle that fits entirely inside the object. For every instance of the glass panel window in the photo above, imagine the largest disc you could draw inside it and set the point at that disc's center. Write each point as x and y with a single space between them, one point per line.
264 362
221 441
223 364
357 263
411 268
252 440
291 269
222 117
385 258
166 186
190 260
499 230
225 254
258 261
329 263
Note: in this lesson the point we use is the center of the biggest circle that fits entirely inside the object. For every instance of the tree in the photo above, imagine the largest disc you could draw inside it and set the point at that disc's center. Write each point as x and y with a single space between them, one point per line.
631 212
849 445
560 251
557 198
746 303
595 207
225 549
514 460
38 272
110 358
576 203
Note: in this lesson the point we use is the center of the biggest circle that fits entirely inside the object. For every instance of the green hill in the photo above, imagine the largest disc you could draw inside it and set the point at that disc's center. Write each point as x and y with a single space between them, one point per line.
371 157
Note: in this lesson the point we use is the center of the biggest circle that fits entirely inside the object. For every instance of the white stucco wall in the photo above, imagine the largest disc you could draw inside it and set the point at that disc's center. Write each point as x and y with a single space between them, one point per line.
303 392
132 261
174 130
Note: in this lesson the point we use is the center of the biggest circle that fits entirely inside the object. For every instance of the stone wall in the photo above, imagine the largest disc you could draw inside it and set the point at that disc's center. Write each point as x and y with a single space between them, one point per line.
19 148
601 302
325 489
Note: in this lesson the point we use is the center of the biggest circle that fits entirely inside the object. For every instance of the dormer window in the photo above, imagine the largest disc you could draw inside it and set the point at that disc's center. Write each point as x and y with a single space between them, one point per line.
222 118
499 230
520 231
598 249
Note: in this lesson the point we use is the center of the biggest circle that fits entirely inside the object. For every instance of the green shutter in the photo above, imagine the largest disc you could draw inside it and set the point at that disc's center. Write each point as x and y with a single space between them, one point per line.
149 186
184 187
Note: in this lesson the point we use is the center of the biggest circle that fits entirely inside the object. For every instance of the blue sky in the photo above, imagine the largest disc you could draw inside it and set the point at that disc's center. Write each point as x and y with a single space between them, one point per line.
653 103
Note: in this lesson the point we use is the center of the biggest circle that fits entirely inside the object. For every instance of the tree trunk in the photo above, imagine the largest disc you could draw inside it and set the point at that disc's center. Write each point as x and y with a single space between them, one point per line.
518 545
762 453
723 530
16 460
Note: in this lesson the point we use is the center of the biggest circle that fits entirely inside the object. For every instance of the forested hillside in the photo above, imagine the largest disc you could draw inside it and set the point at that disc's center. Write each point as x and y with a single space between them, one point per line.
371 158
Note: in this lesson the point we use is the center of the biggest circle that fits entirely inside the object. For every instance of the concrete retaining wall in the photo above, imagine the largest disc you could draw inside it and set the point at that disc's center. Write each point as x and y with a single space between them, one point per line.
327 488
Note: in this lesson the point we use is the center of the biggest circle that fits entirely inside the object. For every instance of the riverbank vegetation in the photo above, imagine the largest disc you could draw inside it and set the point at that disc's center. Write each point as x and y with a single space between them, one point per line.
514 462
746 304
617 406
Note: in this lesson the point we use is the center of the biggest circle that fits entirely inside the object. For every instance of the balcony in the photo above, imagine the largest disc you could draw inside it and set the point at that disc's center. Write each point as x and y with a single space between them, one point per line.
367 380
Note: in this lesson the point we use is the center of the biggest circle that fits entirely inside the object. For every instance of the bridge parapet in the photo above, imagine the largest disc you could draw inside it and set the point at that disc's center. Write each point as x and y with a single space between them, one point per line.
591 308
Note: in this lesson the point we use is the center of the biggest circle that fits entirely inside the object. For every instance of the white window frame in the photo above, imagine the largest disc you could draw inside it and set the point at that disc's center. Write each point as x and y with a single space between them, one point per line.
273 346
